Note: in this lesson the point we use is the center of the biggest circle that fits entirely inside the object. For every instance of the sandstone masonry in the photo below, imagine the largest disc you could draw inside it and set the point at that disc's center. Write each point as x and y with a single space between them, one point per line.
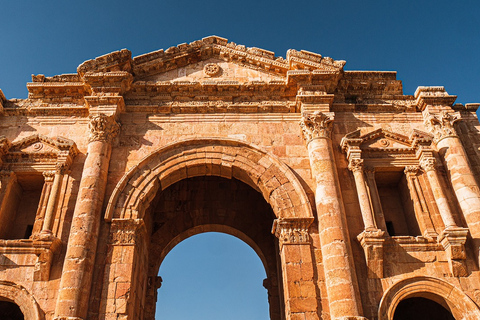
361 202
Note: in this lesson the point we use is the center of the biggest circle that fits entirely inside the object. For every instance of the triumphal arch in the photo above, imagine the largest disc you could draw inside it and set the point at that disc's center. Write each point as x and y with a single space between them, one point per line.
361 202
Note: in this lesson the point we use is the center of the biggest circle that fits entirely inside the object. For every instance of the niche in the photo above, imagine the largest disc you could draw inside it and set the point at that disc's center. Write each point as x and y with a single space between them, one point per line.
397 204
22 203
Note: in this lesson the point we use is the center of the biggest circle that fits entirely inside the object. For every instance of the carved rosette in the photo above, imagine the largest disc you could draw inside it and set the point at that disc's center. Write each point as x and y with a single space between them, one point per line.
102 128
441 126
292 231
316 125
355 165
428 164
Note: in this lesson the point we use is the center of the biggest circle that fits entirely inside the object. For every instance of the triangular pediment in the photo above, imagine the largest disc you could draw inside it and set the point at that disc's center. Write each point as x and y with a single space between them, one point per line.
215 70
381 138
41 144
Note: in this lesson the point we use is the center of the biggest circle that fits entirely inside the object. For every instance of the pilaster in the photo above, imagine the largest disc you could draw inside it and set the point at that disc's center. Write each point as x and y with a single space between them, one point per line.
297 268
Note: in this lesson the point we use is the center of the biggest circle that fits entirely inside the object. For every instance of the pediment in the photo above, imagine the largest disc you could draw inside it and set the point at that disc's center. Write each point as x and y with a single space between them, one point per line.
215 70
41 144
381 139
186 62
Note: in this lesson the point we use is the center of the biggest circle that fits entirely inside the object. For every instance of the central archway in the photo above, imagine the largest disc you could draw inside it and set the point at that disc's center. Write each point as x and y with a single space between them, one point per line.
138 242
213 204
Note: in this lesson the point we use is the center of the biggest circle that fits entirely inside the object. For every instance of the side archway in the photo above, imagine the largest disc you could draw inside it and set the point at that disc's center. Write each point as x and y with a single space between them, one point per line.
18 295
209 157
461 306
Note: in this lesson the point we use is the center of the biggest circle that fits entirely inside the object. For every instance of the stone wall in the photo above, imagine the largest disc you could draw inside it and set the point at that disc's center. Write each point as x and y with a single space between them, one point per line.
355 196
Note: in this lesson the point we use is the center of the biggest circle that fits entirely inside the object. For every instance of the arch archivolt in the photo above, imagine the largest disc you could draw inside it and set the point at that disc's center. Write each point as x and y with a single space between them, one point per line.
17 294
440 291
216 157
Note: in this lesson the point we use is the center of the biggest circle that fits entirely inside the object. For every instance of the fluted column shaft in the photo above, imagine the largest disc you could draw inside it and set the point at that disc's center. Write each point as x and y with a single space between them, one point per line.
72 301
339 270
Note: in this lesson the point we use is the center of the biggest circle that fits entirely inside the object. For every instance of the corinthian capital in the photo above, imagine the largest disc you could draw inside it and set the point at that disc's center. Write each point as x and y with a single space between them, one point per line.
102 128
428 164
355 165
316 125
441 125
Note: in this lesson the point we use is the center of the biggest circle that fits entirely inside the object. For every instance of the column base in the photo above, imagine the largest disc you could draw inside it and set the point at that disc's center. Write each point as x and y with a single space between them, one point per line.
453 241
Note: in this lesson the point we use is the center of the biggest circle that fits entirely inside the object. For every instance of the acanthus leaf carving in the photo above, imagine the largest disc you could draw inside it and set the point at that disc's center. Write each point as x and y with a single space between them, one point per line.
441 126
316 125
355 164
102 128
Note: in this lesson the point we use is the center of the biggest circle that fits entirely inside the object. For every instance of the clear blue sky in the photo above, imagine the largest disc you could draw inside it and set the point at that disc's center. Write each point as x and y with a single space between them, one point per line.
426 42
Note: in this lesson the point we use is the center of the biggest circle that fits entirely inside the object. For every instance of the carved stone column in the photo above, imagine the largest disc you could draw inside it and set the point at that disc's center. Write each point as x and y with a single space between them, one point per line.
428 165
297 268
48 177
7 181
453 238
462 178
356 166
341 282
419 203
72 301
52 200
375 198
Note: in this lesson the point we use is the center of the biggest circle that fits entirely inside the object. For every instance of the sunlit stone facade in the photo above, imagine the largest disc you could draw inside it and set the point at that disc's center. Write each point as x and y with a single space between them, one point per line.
358 199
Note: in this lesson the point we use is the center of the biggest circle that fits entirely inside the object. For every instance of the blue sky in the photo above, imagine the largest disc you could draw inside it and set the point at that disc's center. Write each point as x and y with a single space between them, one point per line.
426 42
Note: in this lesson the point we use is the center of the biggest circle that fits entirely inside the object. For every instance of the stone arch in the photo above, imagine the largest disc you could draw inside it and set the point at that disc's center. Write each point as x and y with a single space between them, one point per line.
216 157
442 292
17 294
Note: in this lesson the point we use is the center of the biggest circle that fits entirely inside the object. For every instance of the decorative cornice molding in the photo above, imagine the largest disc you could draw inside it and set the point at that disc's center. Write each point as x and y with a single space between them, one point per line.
102 128
316 125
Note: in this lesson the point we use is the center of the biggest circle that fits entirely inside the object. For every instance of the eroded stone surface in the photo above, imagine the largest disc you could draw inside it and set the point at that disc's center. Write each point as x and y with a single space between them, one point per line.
354 195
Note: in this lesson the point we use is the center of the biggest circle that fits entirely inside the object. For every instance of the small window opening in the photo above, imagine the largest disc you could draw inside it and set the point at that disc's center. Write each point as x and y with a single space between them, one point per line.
397 203
23 199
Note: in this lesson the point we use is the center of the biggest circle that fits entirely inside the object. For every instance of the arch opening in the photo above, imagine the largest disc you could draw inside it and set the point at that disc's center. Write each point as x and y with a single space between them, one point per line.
10 311
216 275
208 204
420 308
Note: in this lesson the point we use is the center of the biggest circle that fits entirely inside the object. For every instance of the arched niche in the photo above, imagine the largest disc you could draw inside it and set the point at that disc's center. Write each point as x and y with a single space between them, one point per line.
17 294
209 157
439 291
